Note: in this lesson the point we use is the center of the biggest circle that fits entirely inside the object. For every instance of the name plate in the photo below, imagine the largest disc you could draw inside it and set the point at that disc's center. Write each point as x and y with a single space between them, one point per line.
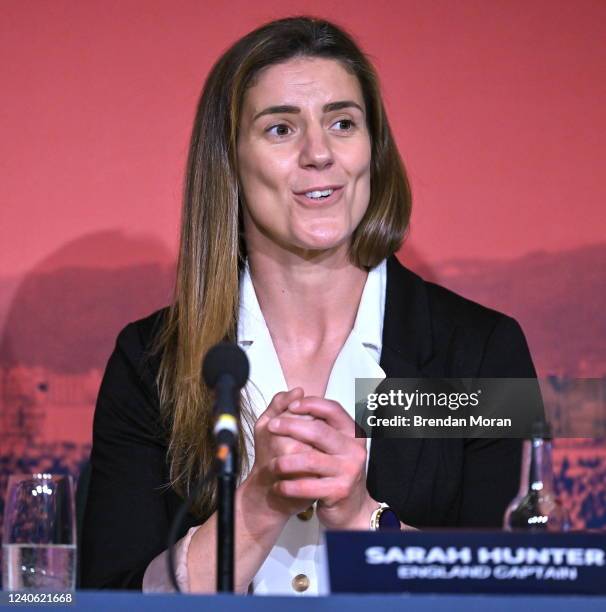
466 562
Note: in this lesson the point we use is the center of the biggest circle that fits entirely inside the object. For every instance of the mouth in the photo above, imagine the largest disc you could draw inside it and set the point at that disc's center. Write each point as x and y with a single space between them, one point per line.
320 196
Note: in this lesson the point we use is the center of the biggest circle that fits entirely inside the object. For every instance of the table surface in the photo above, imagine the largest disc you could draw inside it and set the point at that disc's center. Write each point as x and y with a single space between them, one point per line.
131 601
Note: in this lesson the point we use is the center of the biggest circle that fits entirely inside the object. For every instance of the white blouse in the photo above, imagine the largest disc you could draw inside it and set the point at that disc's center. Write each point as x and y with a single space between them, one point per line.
300 549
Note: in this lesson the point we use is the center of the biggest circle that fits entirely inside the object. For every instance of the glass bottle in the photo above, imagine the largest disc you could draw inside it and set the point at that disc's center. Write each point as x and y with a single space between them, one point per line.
537 507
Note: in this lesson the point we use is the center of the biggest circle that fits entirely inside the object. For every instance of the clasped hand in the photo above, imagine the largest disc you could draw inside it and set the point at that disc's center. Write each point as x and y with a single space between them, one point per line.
306 450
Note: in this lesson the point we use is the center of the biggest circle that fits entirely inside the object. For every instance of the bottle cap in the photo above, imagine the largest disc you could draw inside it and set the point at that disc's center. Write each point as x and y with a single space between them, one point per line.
541 429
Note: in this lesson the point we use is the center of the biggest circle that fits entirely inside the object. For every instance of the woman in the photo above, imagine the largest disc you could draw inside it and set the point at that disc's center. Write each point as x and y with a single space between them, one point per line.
295 202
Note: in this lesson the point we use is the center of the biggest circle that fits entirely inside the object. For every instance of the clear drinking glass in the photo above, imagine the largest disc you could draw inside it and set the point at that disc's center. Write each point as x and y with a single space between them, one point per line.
39 534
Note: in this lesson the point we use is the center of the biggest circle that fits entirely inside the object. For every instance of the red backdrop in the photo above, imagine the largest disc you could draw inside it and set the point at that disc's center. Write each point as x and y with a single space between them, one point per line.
498 108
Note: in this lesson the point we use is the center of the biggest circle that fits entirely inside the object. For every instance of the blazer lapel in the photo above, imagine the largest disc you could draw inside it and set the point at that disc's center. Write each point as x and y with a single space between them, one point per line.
407 353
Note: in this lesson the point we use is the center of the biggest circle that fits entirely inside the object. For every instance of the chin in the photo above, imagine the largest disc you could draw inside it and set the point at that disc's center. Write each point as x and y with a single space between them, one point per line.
322 241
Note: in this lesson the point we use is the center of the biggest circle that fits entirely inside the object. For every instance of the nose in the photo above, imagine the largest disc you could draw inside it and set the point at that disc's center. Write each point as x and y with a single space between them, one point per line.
315 149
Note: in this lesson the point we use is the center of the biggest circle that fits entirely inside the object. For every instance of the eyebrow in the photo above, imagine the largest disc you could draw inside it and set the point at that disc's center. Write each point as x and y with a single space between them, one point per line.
327 108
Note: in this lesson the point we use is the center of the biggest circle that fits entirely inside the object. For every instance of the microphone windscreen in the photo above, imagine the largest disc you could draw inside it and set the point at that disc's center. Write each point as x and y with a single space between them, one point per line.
225 358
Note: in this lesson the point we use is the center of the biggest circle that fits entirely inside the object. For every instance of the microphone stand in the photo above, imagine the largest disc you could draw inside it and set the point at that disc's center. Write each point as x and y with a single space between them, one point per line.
226 370
226 480
226 430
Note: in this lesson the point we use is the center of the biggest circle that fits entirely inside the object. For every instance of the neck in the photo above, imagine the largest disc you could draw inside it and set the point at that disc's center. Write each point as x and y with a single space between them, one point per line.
307 301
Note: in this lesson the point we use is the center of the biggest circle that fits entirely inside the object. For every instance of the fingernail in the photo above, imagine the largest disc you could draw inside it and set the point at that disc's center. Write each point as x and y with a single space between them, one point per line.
274 424
294 405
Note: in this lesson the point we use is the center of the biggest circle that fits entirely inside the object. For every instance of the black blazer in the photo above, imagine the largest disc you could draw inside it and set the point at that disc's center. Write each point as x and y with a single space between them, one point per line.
428 331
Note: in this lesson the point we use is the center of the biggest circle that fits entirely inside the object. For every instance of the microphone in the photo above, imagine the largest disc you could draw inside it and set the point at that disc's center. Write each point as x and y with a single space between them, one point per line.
225 370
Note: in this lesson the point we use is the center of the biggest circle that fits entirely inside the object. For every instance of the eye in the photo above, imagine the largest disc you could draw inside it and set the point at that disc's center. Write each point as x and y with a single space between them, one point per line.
280 129
347 124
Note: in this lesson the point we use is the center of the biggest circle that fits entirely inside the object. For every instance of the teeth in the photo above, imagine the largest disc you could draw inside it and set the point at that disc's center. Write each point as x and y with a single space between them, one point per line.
319 194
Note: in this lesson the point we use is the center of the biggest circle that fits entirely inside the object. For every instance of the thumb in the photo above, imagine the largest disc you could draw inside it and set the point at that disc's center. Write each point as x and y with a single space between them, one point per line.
280 402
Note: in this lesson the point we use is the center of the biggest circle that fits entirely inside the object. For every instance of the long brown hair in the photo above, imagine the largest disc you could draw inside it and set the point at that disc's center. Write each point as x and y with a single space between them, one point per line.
205 306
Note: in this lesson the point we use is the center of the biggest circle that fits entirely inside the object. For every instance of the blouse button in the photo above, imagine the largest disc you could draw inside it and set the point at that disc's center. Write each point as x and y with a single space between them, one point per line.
300 583
306 514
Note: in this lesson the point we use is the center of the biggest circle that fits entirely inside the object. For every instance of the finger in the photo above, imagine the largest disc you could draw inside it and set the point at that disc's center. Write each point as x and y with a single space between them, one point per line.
308 488
303 464
316 433
283 445
292 415
281 401
331 412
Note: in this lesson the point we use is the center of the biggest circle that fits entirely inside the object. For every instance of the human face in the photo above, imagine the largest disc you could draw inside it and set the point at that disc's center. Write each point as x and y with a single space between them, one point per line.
303 129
